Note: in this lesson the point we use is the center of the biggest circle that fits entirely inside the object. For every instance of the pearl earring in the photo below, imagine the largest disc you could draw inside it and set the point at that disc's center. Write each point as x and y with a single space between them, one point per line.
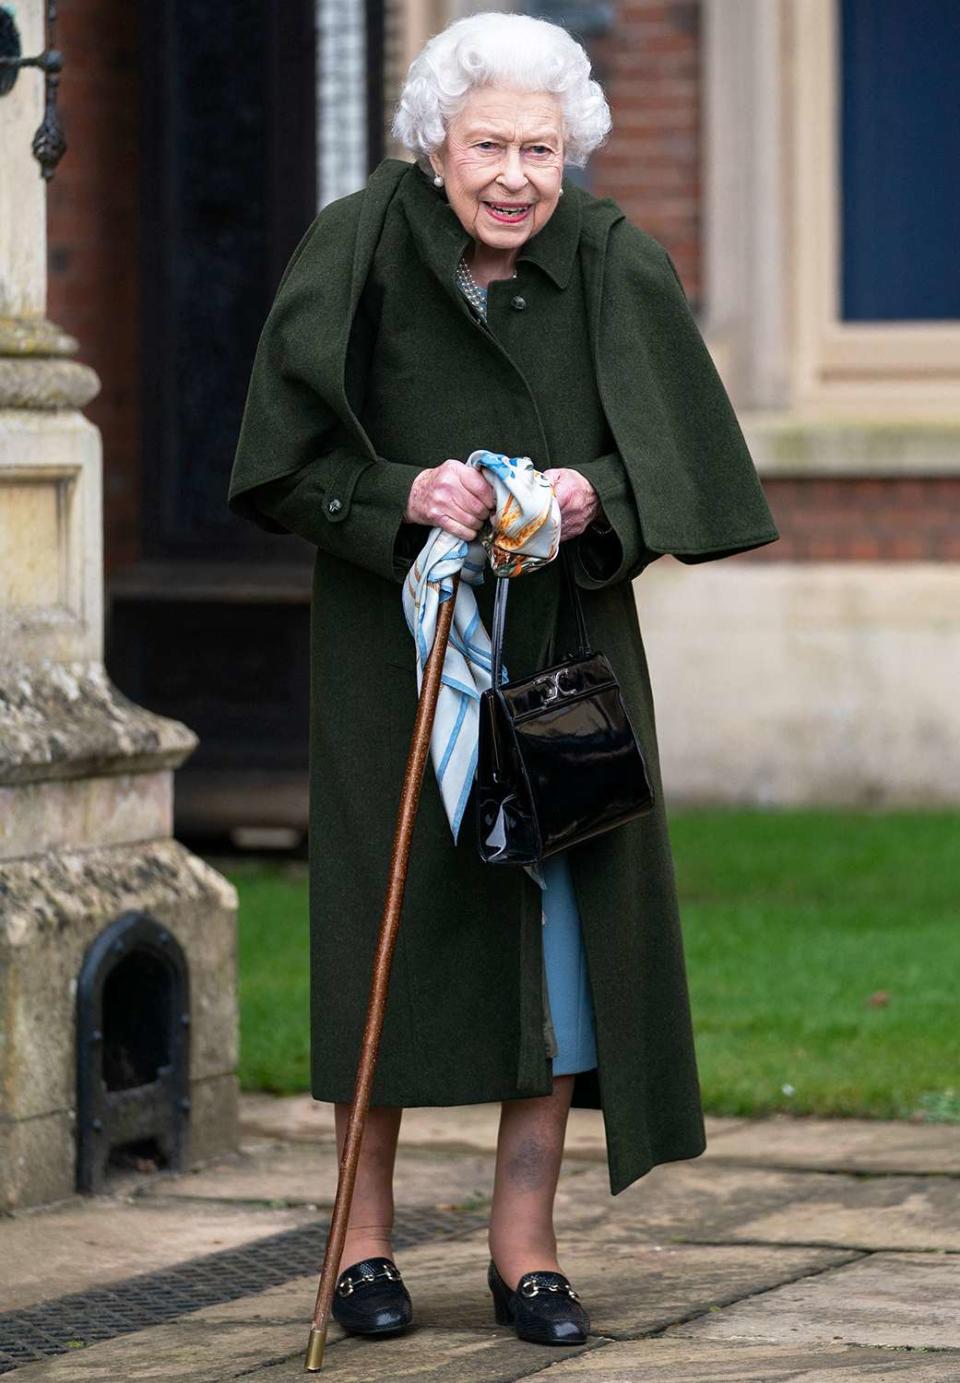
437 181
560 193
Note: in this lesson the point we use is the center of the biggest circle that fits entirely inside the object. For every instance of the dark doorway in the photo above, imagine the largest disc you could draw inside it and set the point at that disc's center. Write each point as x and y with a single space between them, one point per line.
228 178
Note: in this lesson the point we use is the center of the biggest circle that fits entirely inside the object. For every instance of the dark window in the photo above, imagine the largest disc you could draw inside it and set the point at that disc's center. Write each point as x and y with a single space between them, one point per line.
900 154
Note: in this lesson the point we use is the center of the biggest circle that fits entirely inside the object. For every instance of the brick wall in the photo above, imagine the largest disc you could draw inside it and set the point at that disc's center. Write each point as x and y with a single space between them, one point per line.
92 232
649 66
891 519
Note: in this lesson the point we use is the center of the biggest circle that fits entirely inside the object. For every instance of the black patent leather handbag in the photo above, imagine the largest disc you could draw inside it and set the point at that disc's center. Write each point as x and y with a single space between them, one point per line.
557 759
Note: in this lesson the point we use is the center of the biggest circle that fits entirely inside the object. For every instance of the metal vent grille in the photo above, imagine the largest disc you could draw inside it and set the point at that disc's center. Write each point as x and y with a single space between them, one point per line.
87 1318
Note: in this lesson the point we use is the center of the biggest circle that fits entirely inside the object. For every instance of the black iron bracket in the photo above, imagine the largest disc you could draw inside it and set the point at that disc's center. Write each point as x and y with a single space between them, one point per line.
49 144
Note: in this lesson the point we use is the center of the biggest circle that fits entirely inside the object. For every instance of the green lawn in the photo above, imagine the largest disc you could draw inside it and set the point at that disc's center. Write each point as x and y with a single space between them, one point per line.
793 922
274 978
823 952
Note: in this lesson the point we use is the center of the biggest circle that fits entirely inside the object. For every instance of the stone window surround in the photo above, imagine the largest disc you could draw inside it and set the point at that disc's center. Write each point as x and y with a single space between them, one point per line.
816 394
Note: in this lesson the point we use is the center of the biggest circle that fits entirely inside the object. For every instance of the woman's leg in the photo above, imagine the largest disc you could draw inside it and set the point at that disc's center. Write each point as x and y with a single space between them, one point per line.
530 1146
370 1228
529 1152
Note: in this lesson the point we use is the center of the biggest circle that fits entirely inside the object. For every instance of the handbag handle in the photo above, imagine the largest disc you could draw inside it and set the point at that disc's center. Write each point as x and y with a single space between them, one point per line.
500 612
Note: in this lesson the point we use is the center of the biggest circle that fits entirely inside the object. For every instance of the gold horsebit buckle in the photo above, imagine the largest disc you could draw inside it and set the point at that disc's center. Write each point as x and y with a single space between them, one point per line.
536 1287
347 1284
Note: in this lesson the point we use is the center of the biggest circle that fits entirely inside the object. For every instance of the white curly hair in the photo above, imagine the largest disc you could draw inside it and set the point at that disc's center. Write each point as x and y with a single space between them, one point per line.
493 49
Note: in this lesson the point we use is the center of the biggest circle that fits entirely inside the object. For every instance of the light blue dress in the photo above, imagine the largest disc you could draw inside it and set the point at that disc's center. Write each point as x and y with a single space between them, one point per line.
565 962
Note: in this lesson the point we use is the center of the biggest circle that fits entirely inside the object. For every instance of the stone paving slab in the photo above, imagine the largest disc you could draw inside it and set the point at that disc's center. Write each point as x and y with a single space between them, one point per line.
629 1290
676 1200
299 1117
265 1336
266 1170
441 1356
877 1213
856 1145
172 1354
93 1242
674 1361
464 1127
890 1299
788 1141
182 1350
709 1202
632 1290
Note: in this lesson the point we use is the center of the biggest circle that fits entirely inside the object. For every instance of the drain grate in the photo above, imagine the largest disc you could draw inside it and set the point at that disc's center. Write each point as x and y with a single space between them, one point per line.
87 1318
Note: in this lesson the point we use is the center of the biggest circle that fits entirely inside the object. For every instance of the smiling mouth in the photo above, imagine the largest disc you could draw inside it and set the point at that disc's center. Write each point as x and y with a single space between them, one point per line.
507 211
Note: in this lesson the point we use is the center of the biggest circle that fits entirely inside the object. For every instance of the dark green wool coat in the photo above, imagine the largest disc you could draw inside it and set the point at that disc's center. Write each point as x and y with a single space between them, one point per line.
371 367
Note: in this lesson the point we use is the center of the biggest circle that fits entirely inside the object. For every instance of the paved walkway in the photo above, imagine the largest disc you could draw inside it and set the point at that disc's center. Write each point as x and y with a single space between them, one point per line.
793 1249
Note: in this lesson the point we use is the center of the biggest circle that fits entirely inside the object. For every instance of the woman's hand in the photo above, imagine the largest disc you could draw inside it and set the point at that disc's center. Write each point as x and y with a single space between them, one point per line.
454 496
578 500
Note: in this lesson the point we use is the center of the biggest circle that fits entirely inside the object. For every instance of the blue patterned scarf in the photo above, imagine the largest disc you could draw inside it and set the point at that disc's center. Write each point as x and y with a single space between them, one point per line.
522 533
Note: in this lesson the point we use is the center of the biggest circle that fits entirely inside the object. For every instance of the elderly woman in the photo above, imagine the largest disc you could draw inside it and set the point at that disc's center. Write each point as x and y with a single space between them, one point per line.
474 298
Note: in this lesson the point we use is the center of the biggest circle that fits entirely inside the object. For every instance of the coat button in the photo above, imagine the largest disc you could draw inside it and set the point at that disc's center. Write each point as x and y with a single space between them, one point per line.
518 304
334 506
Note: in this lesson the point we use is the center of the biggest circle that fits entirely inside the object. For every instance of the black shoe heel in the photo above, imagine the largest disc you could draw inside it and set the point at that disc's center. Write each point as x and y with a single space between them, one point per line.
544 1308
501 1304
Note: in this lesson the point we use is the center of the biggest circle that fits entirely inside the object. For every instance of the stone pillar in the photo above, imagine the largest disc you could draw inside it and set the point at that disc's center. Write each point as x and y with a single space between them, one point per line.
86 777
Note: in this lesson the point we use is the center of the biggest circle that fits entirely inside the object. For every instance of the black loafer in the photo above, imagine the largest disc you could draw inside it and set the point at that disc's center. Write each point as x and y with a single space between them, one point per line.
544 1308
370 1298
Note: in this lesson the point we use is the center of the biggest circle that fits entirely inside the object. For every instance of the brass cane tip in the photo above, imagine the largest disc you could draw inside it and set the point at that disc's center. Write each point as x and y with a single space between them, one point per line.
314 1360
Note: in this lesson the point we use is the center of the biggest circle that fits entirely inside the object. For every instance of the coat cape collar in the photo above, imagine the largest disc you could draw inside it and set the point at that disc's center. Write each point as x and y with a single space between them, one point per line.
692 480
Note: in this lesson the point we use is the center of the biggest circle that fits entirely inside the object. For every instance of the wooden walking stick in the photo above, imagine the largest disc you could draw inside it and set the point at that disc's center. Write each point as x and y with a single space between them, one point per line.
376 1006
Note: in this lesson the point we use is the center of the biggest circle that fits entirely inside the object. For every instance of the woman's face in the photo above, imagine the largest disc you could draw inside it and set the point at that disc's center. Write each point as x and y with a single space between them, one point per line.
504 149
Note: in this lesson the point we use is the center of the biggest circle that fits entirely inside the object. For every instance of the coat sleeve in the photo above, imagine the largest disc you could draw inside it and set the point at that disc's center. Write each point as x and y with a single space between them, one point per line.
299 467
349 506
620 555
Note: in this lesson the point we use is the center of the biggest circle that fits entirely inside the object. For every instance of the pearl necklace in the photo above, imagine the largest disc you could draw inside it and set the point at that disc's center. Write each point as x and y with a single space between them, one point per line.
475 295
